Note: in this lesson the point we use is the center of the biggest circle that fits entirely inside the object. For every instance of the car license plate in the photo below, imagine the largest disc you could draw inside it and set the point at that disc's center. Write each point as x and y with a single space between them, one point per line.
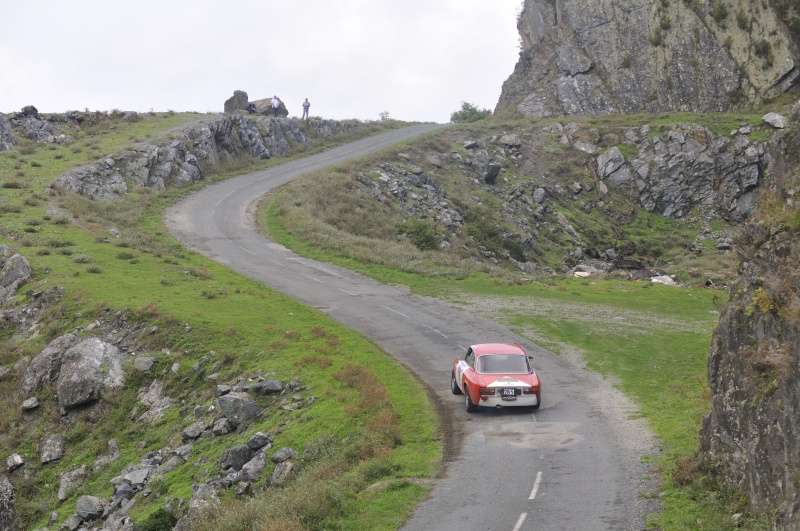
507 394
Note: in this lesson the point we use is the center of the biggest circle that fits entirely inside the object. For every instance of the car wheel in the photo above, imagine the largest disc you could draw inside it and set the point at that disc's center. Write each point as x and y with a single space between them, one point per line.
454 385
471 406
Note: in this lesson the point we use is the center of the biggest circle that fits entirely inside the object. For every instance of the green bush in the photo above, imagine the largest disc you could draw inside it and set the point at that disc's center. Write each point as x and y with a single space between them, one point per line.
423 234
161 520
469 113
742 20
719 13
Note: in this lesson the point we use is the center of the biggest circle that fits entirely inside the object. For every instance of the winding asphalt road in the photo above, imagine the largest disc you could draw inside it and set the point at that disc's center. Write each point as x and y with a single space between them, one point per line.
575 464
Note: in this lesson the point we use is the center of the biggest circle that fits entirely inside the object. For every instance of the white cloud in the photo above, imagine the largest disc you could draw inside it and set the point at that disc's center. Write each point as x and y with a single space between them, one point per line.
415 59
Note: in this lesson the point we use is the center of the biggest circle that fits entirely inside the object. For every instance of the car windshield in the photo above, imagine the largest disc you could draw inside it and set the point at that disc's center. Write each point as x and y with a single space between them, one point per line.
503 364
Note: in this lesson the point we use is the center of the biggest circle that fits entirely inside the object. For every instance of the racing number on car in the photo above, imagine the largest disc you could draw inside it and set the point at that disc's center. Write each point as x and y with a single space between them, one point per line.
460 370
507 392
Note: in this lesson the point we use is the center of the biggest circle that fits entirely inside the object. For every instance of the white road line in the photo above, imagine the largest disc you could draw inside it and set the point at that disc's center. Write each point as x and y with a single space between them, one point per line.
395 311
349 293
520 521
431 328
536 485
312 278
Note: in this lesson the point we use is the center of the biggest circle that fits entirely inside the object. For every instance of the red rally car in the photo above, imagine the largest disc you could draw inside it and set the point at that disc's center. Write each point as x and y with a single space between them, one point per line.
496 375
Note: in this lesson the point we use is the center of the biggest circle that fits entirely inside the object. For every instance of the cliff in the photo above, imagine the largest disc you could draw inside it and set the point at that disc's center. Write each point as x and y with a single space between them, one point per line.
751 438
634 56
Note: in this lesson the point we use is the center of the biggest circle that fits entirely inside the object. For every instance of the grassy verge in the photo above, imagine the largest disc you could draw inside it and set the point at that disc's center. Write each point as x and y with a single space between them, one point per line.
365 448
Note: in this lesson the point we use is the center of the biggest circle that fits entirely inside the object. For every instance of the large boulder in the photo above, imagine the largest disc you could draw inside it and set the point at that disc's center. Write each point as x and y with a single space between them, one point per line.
88 368
90 508
51 447
44 368
15 272
238 407
71 481
235 458
237 102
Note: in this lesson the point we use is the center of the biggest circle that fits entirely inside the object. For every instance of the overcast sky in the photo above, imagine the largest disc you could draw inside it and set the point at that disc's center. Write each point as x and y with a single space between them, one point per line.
415 59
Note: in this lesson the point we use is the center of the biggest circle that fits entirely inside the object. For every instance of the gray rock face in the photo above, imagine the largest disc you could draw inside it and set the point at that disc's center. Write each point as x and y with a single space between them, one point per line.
688 167
88 367
8 510
7 137
607 56
752 433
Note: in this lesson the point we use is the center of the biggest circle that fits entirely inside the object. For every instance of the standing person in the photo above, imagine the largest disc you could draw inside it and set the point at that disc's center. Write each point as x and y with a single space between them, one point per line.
275 104
306 105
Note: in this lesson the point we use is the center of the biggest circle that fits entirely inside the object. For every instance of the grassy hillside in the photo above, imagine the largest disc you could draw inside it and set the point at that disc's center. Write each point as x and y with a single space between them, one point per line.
109 269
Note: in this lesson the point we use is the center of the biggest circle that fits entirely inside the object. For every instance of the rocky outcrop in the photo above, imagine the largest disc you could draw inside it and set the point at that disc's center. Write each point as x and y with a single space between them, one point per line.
625 56
688 167
7 136
751 436
179 161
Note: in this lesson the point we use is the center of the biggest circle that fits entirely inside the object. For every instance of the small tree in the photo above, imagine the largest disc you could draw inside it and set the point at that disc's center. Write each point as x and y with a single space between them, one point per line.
469 113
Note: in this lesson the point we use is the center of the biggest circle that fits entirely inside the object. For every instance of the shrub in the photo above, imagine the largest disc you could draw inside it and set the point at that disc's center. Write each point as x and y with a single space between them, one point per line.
161 520
719 13
763 49
657 37
423 234
469 113
742 20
